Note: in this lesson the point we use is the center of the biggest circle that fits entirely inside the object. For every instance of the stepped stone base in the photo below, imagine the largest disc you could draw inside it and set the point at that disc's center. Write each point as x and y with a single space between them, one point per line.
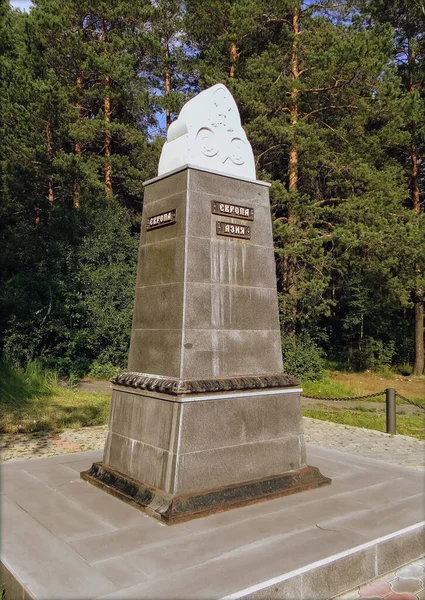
175 509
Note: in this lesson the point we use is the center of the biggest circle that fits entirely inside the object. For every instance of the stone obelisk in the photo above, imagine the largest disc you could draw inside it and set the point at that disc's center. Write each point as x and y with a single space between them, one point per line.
205 419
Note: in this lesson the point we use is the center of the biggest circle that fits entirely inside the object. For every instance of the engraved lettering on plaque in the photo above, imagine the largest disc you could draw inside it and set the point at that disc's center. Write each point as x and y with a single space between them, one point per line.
232 210
233 230
162 220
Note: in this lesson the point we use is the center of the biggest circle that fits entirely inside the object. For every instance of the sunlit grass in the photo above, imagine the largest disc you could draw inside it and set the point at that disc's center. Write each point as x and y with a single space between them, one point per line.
327 388
413 425
31 400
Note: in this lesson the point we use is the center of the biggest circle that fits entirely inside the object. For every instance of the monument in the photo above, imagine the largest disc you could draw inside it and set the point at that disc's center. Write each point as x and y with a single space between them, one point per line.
205 419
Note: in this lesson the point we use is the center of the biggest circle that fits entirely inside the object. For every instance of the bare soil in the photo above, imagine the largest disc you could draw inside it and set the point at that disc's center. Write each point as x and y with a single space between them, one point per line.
371 383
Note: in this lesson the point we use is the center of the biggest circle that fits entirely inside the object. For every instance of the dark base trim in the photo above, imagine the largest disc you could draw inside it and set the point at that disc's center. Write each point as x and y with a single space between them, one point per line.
177 387
175 509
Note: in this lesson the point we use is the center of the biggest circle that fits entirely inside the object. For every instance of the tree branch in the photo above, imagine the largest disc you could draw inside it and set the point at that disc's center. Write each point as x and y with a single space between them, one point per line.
330 107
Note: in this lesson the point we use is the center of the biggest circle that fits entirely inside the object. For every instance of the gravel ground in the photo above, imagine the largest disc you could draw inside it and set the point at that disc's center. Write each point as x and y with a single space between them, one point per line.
399 449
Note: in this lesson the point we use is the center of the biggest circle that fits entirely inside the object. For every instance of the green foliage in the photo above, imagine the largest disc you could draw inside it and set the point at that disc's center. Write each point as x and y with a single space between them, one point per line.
336 88
99 370
304 359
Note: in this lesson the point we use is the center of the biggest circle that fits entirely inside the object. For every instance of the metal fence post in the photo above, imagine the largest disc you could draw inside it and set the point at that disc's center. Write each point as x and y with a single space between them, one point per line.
391 410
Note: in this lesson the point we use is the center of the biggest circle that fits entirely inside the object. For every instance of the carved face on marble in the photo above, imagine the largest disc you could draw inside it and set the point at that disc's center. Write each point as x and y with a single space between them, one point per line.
208 134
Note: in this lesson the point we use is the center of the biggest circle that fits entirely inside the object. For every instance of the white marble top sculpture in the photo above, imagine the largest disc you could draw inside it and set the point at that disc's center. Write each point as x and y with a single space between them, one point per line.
208 134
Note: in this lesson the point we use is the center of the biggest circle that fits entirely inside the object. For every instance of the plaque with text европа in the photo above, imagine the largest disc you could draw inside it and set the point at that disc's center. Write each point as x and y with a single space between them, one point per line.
234 231
162 220
232 210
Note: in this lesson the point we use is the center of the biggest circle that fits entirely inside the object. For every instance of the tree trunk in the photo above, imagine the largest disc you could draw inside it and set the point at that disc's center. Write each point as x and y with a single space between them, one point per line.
108 139
290 264
108 113
294 108
233 59
167 79
77 145
414 173
51 194
419 338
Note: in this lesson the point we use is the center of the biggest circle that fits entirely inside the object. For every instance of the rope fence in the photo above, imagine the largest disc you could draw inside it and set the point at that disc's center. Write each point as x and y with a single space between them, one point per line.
390 402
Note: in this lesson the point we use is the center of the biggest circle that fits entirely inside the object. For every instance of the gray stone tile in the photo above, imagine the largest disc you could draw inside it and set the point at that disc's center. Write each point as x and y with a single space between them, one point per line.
162 262
119 572
166 187
340 575
92 500
227 188
380 520
230 262
235 464
159 307
47 566
218 423
231 536
391 491
257 352
14 483
212 353
149 420
290 589
241 568
151 465
400 550
127 539
54 475
210 306
48 507
156 352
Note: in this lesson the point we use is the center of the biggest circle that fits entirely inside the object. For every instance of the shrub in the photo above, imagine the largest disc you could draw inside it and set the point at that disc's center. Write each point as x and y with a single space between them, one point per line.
303 359
99 370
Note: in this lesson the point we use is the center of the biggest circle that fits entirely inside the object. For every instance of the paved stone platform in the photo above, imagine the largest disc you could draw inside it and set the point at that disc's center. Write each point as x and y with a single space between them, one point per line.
62 538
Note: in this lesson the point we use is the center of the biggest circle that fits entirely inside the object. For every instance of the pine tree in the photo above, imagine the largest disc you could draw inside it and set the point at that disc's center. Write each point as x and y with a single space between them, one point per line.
407 18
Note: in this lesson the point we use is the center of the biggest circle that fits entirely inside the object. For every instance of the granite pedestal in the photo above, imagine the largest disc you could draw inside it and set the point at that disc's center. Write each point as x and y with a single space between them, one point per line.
205 419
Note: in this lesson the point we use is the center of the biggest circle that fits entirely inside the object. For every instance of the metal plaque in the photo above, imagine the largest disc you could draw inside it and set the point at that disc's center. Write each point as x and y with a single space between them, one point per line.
232 210
233 230
162 220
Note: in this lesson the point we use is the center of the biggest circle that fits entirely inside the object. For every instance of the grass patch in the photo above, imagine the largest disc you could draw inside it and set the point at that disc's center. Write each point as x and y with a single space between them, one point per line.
413 425
327 388
31 400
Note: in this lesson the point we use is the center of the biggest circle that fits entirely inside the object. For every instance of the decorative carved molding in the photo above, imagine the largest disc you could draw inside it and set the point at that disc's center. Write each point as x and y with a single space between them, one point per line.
178 387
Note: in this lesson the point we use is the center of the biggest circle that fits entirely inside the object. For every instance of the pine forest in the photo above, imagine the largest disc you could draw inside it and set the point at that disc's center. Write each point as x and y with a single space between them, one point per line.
332 98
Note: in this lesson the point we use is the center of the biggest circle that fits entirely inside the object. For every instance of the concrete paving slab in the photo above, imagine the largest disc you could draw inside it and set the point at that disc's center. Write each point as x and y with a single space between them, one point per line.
63 538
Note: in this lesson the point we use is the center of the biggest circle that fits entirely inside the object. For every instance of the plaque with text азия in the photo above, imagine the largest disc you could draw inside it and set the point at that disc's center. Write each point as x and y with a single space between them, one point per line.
235 231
